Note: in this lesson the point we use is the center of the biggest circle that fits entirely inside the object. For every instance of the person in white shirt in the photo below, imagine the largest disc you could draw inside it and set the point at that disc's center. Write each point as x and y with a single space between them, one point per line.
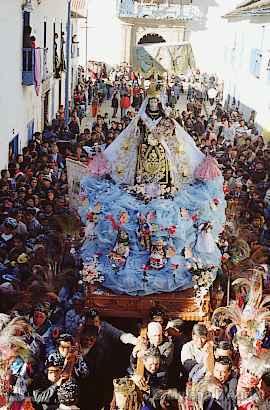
212 94
195 353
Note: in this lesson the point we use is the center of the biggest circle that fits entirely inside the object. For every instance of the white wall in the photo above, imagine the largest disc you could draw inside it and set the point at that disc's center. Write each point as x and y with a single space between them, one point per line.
19 104
104 35
224 47
253 93
11 118
208 34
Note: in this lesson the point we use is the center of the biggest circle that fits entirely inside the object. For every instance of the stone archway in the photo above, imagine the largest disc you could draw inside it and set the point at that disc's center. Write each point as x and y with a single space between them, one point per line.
151 38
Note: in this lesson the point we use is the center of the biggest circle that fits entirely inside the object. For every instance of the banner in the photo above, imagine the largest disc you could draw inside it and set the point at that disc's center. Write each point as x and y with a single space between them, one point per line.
78 5
162 58
75 172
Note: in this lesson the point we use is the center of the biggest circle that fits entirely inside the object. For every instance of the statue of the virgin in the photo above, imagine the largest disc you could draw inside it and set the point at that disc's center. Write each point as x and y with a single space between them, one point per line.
154 151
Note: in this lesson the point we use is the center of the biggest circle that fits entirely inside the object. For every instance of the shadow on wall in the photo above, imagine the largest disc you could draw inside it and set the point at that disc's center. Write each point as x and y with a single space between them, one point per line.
200 19
230 102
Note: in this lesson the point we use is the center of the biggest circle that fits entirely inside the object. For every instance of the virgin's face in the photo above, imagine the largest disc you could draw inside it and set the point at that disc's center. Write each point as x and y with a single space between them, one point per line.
153 104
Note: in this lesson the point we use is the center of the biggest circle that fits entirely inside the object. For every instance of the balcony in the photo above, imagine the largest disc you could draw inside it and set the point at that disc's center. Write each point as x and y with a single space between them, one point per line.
159 11
28 70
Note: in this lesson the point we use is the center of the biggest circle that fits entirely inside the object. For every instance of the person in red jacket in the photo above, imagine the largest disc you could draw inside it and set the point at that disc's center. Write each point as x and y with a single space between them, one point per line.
124 104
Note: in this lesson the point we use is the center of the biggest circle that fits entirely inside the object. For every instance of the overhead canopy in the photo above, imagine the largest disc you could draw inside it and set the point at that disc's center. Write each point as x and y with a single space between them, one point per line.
252 7
79 8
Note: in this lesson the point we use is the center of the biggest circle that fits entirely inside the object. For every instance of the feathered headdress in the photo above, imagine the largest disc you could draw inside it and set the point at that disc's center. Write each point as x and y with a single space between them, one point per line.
209 387
12 345
251 319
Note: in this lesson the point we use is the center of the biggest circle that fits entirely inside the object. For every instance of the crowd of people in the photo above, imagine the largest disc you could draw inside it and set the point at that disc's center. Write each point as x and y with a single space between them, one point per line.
56 352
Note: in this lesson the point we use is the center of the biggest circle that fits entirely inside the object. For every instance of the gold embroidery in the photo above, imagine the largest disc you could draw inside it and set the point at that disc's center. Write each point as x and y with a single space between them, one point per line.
152 164
119 170
126 146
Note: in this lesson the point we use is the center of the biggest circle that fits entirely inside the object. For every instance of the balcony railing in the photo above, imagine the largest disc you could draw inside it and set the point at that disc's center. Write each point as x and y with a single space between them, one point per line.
128 8
28 66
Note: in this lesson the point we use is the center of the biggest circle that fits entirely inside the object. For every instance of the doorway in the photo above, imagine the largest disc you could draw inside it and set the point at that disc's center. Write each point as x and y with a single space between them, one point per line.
60 93
151 38
13 148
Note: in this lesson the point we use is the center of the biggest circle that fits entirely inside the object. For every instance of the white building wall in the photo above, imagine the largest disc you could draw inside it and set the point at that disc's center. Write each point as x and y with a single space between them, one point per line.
252 92
224 47
208 33
105 32
19 105
78 29
11 93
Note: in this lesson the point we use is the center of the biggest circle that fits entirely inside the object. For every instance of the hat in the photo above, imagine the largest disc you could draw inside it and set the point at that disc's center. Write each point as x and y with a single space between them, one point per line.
19 174
47 178
92 313
11 222
31 211
156 311
7 288
153 92
23 258
42 307
77 298
65 337
55 361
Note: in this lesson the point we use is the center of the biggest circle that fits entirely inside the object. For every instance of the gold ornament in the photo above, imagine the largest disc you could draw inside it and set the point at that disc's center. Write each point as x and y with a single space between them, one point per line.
119 170
152 91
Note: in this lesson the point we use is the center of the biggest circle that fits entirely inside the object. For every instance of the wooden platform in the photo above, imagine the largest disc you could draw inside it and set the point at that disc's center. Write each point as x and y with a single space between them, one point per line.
178 304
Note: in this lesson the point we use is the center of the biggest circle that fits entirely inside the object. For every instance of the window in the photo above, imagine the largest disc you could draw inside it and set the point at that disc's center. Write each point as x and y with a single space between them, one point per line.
26 18
14 147
45 34
27 52
268 70
255 62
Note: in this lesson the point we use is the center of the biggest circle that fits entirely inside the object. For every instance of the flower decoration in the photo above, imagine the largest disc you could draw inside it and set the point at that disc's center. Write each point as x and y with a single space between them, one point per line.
119 170
91 274
194 217
91 216
226 188
152 190
202 279
126 146
184 213
214 203
172 230
123 218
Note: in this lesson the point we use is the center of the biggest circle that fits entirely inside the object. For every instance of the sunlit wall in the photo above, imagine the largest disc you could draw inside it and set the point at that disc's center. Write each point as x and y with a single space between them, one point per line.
208 35
104 33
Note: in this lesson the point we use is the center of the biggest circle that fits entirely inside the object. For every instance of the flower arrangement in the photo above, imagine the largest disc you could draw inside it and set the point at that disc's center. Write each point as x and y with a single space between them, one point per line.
90 274
202 279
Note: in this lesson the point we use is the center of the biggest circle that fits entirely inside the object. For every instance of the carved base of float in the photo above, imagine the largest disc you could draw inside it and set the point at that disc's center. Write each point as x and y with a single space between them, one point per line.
178 304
